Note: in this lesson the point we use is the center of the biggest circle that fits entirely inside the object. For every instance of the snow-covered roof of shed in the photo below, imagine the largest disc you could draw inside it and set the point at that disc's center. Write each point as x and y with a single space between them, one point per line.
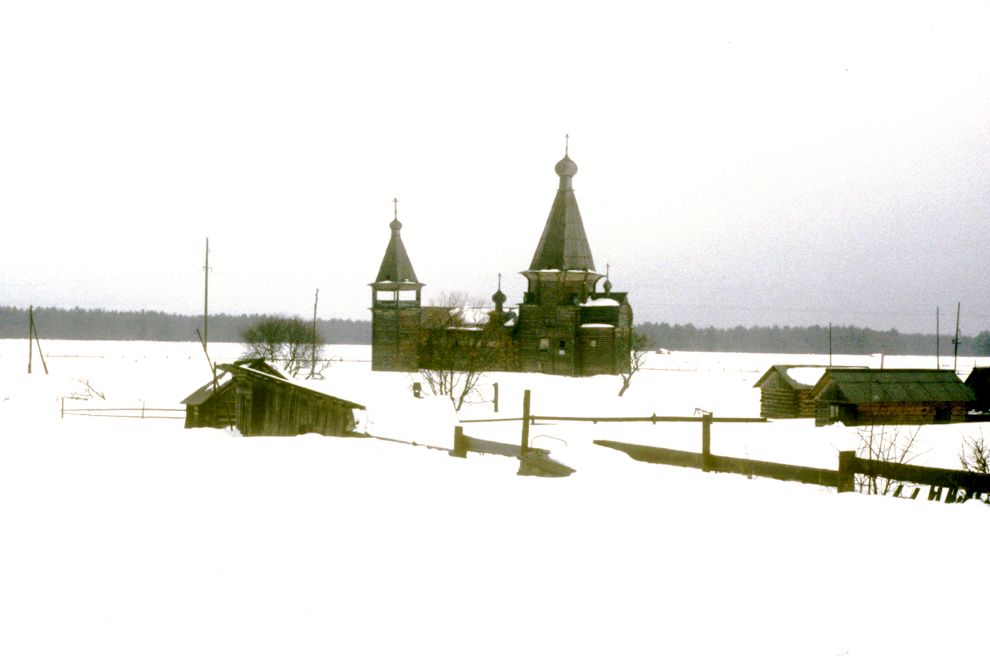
601 302
203 394
291 381
806 375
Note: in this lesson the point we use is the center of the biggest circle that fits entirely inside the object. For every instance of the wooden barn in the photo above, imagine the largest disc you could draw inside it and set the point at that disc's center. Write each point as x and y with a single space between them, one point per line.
259 399
785 391
979 381
864 397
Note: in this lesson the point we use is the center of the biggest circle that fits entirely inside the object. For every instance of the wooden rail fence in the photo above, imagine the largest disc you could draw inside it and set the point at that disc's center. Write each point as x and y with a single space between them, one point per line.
125 413
957 484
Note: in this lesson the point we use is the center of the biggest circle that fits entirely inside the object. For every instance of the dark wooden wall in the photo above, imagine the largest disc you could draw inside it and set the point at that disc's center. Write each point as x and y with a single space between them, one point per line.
887 414
395 336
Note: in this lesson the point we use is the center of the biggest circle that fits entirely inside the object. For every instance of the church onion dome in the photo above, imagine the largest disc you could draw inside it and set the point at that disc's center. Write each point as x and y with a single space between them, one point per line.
499 297
566 168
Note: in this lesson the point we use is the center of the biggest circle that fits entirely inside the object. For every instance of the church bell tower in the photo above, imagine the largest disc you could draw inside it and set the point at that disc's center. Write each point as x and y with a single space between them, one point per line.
396 310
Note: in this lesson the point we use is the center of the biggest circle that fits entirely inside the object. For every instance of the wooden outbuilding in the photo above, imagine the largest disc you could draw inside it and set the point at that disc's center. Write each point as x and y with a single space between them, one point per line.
259 399
864 397
785 391
979 381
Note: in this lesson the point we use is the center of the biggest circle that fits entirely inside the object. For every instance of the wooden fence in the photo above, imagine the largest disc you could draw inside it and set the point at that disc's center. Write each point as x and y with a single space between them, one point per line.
957 484
125 413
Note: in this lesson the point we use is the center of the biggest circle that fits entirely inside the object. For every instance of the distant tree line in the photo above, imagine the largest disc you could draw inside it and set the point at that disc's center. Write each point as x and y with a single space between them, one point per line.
807 339
78 323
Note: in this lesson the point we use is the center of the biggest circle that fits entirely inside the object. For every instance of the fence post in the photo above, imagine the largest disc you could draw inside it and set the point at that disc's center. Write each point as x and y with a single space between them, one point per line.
63 408
706 442
460 448
495 400
524 446
847 469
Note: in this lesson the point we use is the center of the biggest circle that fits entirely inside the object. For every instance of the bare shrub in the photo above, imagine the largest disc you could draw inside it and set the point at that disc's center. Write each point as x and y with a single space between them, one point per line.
974 454
285 340
454 353
640 344
893 444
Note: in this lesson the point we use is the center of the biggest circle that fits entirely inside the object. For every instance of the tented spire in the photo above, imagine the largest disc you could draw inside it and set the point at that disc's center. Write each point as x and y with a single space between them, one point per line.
396 266
564 244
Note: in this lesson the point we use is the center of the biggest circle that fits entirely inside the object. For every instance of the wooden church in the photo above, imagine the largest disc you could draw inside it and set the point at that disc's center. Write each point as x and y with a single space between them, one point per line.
563 325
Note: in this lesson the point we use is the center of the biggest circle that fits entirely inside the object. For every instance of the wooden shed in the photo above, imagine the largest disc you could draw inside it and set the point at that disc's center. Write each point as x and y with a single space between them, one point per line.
259 399
864 397
785 391
979 381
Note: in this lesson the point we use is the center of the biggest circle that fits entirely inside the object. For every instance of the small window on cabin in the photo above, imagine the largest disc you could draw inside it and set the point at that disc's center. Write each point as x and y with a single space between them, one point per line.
593 343
544 343
562 347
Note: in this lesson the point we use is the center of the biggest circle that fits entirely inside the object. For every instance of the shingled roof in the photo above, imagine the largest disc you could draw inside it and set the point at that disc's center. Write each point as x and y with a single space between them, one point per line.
396 266
564 244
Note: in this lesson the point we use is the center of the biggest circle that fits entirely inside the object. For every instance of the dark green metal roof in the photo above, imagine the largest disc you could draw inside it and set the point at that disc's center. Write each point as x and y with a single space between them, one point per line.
896 385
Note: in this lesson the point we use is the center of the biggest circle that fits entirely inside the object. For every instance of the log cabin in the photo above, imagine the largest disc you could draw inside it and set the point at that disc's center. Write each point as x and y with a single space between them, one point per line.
864 397
260 399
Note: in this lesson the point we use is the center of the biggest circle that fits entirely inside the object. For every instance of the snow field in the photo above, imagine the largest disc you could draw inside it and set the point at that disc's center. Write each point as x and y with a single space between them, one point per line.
131 536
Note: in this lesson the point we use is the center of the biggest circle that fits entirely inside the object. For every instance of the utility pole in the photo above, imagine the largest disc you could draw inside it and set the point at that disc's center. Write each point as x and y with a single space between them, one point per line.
312 370
938 339
206 296
830 343
955 341
32 338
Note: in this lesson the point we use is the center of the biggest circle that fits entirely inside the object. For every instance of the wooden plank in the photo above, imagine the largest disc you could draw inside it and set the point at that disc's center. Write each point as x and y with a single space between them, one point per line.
743 466
596 420
655 455
653 419
476 445
535 463
776 471
932 476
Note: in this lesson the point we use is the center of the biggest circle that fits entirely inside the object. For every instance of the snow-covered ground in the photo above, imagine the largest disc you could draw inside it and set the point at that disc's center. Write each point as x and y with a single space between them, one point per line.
125 536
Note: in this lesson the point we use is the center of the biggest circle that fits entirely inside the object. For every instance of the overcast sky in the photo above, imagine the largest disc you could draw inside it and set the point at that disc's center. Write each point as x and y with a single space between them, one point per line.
739 163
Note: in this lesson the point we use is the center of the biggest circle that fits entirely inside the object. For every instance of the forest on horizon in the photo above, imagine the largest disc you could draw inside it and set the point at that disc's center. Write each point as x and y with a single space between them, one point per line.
98 324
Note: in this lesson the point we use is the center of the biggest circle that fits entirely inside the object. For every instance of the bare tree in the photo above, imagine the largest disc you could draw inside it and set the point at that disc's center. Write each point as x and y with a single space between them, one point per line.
454 353
884 444
639 345
974 455
285 340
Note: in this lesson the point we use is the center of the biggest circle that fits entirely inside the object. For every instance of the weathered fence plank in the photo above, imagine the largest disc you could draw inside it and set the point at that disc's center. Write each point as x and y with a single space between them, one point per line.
776 471
655 455
940 478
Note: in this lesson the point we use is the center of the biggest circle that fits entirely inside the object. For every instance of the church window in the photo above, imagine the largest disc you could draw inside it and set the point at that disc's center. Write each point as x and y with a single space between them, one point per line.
594 343
562 347
544 343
